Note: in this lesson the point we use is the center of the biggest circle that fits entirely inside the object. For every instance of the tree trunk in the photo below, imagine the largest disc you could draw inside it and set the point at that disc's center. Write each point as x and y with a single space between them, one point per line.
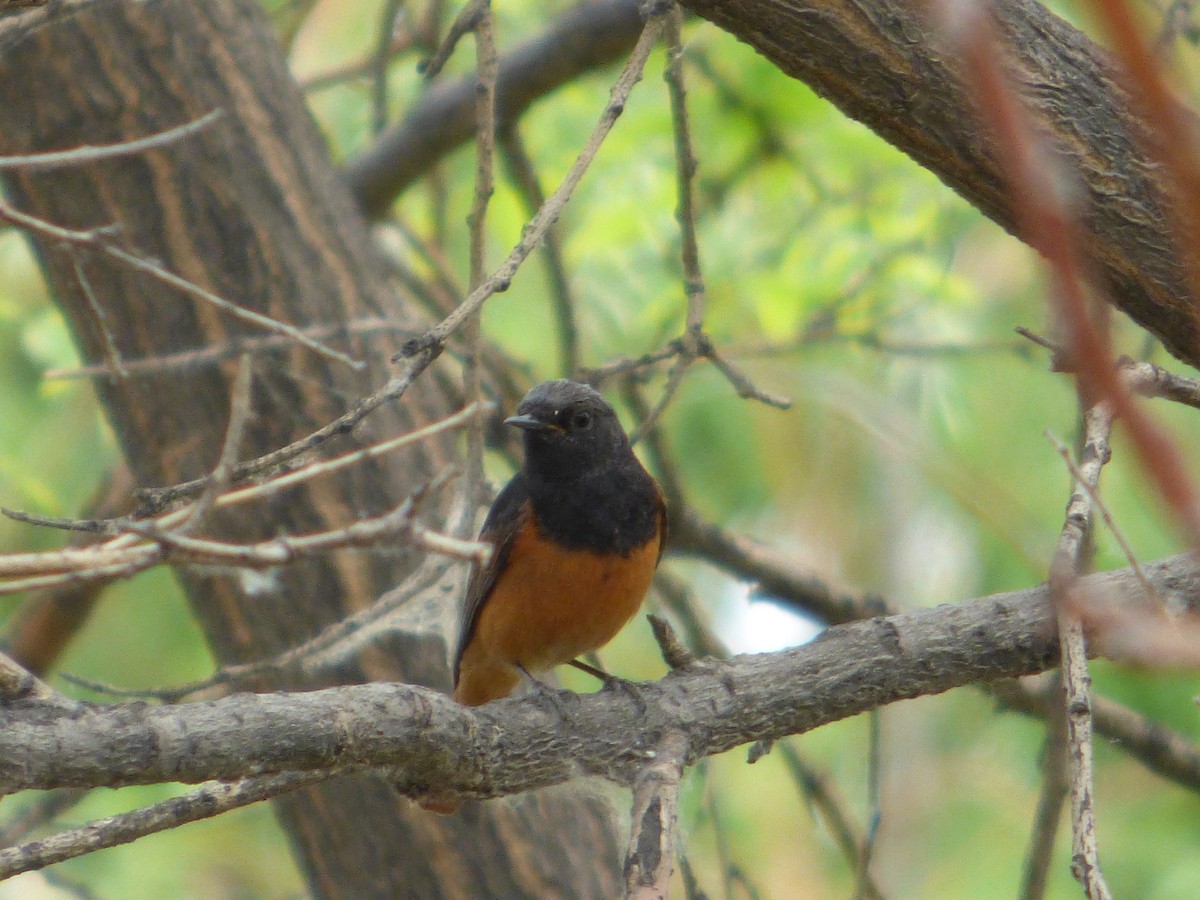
252 210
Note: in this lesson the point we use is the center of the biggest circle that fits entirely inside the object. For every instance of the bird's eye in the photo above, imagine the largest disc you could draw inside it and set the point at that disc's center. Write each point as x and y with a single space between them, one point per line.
582 420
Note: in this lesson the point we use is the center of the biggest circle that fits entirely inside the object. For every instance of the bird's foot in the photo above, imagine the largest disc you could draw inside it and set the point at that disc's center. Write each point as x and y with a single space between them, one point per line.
612 683
550 696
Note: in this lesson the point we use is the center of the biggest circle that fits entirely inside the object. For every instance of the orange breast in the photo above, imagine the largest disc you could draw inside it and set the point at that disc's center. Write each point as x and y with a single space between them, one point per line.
548 607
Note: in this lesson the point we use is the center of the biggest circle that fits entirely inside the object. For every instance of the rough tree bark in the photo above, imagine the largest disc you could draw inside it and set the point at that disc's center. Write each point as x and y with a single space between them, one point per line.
252 210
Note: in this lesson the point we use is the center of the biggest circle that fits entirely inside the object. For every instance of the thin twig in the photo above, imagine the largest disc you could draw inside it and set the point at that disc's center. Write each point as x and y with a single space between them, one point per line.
675 596
104 561
1100 506
201 803
326 650
819 789
112 356
124 556
98 239
524 177
239 415
379 64
685 171
154 499
674 653
463 24
89 154
1143 378
116 526
535 230
485 155
1071 556
1053 795
211 353
862 876
281 550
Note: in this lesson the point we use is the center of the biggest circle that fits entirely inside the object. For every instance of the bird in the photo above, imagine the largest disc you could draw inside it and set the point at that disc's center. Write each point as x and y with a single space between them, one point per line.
576 537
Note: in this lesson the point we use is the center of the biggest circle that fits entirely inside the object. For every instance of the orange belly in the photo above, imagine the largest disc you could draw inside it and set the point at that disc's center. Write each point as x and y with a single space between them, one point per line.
549 606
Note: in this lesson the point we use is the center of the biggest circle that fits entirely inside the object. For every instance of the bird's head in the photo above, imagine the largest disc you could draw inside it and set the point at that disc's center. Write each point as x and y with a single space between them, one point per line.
569 428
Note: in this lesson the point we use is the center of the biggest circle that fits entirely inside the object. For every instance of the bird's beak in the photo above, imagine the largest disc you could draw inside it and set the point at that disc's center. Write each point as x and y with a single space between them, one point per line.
529 423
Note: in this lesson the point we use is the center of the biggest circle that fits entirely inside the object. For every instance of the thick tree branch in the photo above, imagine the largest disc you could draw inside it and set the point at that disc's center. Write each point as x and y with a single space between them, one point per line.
426 741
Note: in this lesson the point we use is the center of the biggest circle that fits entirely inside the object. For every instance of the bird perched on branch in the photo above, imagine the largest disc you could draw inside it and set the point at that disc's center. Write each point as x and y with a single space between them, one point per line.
576 534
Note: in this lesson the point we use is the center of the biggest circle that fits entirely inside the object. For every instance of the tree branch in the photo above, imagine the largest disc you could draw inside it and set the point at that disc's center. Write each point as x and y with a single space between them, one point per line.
588 37
427 741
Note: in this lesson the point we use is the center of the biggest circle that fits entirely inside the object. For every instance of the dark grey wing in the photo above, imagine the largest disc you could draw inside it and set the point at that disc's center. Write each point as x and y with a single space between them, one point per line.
503 524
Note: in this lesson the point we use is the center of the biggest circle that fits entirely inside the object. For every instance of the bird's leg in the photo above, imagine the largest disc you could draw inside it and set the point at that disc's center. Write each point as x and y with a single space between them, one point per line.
612 682
545 692
595 672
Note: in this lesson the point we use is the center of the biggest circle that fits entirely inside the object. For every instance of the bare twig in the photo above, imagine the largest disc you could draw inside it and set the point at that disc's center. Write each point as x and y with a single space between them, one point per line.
259 491
124 556
379 64
239 414
464 23
202 803
1071 555
112 356
862 876
212 353
675 654
485 154
1051 798
284 549
584 38
522 173
1098 504
41 627
819 789
105 561
155 499
650 859
89 154
685 171
1150 380
501 279
99 240
1142 378
674 595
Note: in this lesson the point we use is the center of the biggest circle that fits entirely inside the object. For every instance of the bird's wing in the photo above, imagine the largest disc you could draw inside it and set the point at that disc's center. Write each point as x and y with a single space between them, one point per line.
503 525
664 521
